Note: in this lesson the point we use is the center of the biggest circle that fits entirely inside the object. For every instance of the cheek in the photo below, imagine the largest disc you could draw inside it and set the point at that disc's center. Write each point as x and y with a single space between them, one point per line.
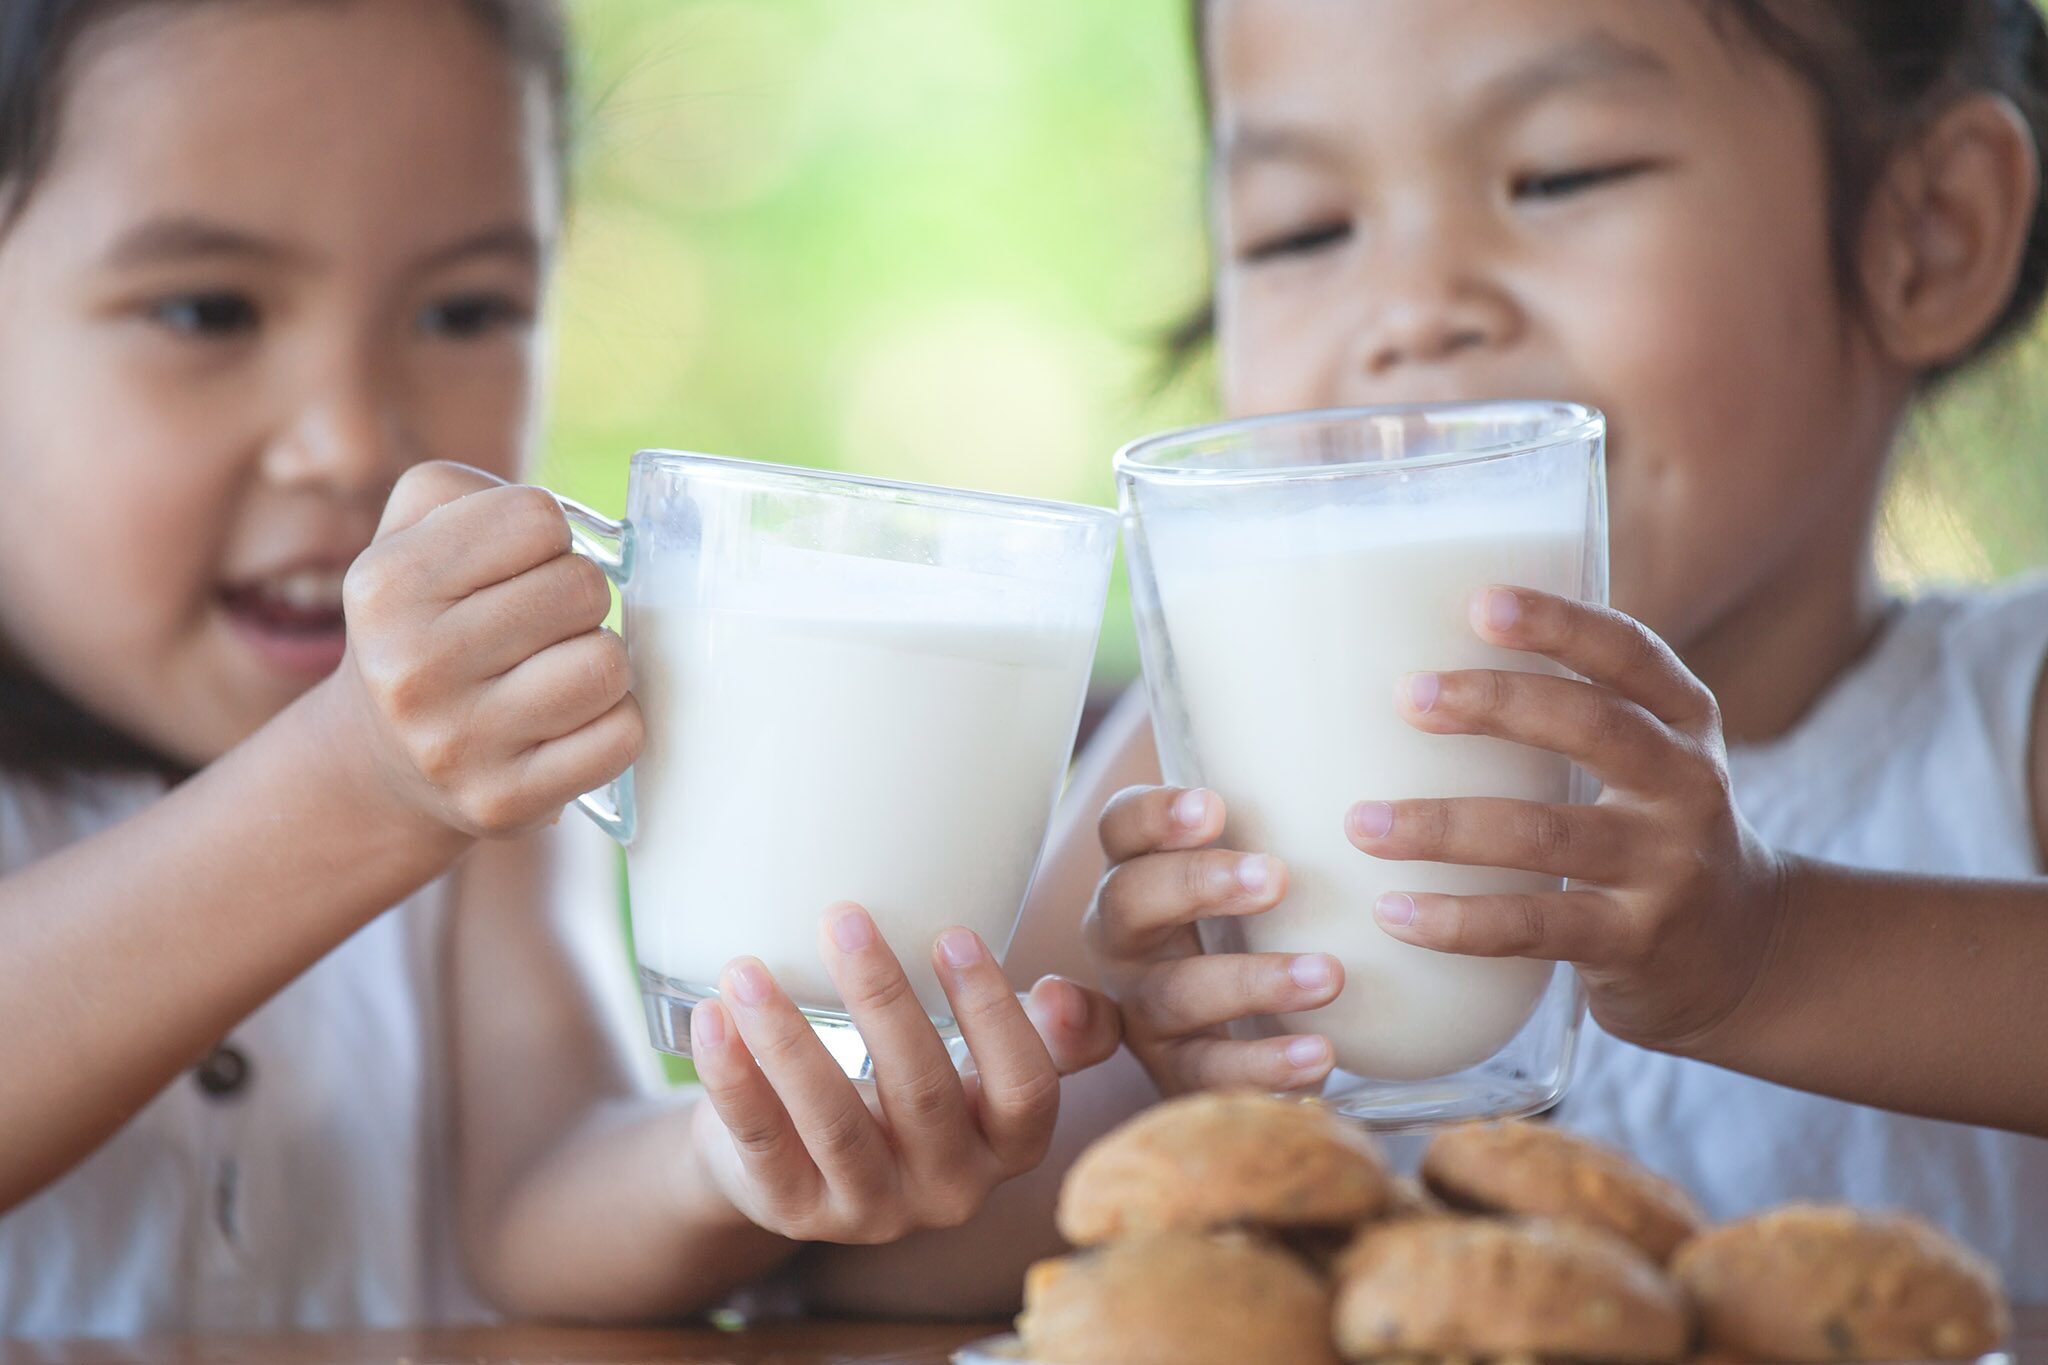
476 408
1723 371
1276 335
117 503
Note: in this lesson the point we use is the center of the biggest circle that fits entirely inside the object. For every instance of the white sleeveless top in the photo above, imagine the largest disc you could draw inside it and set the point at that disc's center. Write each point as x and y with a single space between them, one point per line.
309 1188
1915 761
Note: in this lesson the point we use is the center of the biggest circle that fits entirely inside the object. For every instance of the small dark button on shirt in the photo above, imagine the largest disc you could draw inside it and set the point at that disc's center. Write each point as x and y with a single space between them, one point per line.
224 1073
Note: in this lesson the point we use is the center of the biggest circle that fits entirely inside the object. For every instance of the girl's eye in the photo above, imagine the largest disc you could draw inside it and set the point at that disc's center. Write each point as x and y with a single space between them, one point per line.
466 316
1564 184
211 315
1302 243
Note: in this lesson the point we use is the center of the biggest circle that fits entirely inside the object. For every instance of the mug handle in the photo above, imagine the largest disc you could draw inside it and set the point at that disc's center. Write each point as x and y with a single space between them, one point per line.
611 807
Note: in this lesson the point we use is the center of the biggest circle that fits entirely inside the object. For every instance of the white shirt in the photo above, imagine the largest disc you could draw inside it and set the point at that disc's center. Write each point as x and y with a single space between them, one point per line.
1916 761
316 1195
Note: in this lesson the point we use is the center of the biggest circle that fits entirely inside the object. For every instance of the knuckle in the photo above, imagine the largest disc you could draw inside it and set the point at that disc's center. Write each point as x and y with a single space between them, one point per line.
930 1093
497 809
1550 834
365 583
439 753
883 991
951 1205
846 1135
1036 1094
1200 877
1525 921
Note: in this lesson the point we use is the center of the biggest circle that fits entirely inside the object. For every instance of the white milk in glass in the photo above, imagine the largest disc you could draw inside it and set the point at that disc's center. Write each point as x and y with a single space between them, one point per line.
1290 636
903 753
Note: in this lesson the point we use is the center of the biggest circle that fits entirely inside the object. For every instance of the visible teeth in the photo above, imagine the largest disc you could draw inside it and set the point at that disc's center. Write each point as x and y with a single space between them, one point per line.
306 590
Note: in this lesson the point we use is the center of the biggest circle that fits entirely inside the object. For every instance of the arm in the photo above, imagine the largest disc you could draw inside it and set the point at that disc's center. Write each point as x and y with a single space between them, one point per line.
616 1214
127 955
580 1188
1919 994
1915 993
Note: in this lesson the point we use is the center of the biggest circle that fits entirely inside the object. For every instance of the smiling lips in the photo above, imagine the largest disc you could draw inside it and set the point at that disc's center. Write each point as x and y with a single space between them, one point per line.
292 619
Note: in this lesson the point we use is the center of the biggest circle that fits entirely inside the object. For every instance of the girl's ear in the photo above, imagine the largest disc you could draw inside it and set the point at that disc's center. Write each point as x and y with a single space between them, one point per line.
1947 230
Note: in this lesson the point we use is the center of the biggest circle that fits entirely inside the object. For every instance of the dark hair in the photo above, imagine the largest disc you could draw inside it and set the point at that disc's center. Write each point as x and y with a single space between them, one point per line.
43 733
1881 70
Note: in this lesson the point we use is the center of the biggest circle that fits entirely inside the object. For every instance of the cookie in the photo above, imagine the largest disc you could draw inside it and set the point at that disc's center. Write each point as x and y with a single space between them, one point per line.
1815 1283
1219 1159
1176 1298
1537 1171
1461 1286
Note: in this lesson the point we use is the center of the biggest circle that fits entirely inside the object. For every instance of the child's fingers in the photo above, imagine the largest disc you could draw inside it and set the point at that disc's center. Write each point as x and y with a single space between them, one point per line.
1197 993
1079 1027
1586 843
1294 1062
849 1148
497 627
1146 899
559 770
481 538
1020 1088
426 486
915 1079
1600 644
556 692
769 1148
1603 732
1148 819
1563 926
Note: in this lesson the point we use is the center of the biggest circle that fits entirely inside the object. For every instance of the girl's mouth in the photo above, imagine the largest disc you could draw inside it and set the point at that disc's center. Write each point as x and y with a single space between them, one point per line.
292 620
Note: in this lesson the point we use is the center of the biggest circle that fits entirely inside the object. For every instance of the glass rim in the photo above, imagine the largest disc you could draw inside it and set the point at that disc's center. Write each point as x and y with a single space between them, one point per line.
1574 422
739 471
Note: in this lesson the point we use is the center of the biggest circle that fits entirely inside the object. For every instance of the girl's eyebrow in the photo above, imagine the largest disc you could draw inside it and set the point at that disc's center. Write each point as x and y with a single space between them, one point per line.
171 239
516 240
1594 58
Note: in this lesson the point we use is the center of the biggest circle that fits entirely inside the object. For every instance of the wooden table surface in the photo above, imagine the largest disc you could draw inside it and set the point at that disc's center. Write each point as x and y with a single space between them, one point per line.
813 1343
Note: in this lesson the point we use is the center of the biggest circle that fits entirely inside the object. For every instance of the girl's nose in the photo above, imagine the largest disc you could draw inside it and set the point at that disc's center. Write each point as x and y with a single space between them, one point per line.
1433 304
347 435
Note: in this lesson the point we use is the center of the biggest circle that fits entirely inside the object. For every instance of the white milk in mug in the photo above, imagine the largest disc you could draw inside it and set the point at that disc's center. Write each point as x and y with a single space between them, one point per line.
1287 574
1290 640
795 760
854 690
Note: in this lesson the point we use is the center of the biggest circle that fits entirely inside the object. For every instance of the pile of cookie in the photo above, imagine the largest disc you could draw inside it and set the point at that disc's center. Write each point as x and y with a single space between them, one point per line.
1238 1227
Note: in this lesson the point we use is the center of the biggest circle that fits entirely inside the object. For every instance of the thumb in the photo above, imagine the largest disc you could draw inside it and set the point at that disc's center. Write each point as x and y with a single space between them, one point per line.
425 487
1080 1027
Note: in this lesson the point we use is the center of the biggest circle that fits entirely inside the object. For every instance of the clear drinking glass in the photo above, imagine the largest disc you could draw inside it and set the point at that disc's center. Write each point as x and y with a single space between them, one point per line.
854 690
1286 573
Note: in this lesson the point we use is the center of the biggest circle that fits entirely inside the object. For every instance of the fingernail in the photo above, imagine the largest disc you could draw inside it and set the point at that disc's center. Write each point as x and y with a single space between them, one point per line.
707 1022
1304 1053
1191 808
749 983
1312 972
1372 819
960 948
1395 908
852 929
1502 609
1255 872
1422 690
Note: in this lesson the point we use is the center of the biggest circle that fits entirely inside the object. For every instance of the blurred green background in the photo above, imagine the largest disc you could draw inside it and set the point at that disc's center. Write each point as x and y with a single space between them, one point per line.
942 240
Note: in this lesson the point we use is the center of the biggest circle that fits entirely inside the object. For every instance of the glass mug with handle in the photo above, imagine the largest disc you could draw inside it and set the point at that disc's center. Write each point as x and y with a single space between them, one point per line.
1286 573
854 690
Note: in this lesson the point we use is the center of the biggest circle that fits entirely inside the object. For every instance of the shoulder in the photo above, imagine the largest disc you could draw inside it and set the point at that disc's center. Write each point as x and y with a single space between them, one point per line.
1998 638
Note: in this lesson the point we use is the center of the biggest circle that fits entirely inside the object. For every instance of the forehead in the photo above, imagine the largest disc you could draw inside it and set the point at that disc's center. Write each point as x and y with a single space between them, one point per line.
1305 58
400 121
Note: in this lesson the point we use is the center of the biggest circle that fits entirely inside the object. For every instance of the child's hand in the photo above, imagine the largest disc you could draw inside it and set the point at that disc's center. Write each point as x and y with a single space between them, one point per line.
797 1147
486 690
1162 878
1673 900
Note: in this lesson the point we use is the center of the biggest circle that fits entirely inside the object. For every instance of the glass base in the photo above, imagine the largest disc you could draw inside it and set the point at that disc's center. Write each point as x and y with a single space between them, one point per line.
1422 1106
669 1002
